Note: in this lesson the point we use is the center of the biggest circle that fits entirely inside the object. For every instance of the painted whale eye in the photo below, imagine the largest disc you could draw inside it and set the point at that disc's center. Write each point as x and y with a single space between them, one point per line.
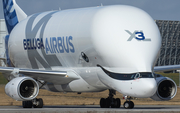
84 57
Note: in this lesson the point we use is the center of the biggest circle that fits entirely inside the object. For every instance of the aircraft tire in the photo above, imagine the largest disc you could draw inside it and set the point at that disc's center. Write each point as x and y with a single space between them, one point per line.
114 105
108 103
40 103
117 103
27 104
131 104
128 105
102 103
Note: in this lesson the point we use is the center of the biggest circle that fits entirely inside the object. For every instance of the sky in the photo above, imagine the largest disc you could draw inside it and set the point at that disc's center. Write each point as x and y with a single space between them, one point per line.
158 9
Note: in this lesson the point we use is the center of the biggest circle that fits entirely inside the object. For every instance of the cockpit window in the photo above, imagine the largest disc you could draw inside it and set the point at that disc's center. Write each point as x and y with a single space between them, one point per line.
146 75
131 76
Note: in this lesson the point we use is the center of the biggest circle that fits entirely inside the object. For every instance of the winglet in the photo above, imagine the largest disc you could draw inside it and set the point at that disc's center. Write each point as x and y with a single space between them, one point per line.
13 14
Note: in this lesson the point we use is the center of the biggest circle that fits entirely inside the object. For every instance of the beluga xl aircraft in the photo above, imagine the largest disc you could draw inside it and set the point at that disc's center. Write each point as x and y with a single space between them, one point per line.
84 50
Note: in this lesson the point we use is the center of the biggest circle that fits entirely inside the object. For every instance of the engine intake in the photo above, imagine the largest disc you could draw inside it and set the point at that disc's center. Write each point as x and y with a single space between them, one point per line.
22 88
166 90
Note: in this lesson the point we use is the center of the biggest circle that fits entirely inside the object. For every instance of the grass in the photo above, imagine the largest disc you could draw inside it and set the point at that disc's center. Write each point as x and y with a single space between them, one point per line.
173 76
2 79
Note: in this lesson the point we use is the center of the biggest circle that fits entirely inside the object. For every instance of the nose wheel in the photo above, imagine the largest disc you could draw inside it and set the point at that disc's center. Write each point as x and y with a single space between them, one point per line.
110 101
128 104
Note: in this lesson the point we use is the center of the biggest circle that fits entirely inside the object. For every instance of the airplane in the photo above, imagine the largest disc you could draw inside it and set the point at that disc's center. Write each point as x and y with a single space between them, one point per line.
84 50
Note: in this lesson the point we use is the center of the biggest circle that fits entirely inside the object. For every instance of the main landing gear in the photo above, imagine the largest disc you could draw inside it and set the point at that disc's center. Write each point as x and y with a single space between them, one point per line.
115 103
110 101
36 103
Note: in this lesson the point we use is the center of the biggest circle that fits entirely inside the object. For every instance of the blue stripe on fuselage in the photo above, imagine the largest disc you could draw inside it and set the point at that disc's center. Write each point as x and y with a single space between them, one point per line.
8 61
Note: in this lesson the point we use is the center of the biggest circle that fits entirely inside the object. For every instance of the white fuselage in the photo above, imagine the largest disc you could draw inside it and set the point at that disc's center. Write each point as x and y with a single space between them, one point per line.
122 39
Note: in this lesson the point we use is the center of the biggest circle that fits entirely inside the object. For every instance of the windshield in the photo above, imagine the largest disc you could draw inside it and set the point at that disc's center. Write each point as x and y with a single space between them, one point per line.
131 76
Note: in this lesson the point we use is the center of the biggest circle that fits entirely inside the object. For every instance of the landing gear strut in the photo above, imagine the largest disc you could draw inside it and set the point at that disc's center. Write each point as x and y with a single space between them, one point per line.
36 103
128 104
110 101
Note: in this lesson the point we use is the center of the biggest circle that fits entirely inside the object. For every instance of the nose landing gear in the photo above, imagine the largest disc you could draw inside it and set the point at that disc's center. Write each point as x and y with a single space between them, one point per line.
128 104
110 101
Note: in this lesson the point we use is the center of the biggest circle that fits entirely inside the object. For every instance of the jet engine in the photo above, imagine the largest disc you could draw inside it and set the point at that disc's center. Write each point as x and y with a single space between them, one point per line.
22 88
166 89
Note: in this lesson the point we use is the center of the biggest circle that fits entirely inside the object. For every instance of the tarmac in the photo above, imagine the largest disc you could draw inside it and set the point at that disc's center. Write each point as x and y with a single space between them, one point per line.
92 109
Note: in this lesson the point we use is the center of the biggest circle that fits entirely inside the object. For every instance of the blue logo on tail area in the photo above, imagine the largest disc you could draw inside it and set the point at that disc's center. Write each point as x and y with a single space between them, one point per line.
9 15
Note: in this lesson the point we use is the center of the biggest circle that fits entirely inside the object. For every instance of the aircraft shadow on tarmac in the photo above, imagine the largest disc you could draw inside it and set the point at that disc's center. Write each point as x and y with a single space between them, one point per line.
71 106
95 106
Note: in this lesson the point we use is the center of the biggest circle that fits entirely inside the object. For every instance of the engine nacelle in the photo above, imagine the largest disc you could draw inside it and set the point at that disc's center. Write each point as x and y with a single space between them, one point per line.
22 88
166 90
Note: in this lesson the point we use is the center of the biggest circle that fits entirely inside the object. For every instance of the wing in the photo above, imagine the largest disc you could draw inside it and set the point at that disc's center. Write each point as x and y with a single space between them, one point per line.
56 77
166 68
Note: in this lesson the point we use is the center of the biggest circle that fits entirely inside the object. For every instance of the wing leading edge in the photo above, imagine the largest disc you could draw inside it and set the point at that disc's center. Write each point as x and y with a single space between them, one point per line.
166 68
59 77
56 77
